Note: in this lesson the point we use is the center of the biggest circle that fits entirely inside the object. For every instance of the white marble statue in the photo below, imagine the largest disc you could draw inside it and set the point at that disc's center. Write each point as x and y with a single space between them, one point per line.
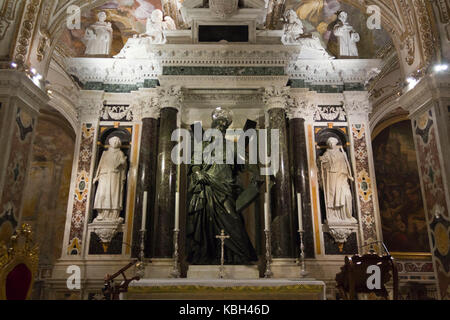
293 34
348 37
155 26
111 176
335 175
98 37
138 46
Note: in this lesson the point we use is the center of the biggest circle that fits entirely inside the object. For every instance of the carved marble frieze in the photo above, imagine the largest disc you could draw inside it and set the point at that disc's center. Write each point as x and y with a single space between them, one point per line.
245 61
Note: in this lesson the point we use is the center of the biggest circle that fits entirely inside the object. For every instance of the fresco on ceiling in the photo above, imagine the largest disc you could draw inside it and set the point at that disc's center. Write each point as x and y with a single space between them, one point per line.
400 197
128 17
319 17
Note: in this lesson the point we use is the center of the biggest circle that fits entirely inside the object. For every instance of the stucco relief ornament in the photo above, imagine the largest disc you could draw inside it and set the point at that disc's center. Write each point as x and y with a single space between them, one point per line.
223 8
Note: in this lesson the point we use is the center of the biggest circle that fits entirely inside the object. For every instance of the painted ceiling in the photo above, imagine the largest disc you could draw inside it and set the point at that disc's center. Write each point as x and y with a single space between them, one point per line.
128 17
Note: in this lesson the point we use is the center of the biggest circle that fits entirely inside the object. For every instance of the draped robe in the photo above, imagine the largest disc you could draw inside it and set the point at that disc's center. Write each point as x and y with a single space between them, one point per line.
212 207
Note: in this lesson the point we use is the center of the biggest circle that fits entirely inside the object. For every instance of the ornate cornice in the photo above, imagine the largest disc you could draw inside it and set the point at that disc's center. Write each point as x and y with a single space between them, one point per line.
18 84
430 88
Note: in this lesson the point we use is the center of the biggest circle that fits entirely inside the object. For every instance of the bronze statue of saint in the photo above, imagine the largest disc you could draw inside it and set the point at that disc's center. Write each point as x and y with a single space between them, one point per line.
213 190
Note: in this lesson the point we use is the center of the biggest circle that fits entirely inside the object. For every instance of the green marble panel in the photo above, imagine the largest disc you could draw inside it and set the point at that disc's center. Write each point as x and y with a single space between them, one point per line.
119 87
223 71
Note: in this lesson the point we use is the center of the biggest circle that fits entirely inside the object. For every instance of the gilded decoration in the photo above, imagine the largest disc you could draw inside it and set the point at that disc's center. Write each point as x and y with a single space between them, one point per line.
20 250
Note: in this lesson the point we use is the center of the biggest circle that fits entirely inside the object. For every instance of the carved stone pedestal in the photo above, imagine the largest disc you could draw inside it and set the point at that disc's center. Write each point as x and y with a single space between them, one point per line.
340 231
106 230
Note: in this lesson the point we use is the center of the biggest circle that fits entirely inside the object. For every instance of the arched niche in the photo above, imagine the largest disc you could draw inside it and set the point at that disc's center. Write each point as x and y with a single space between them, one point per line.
321 146
125 136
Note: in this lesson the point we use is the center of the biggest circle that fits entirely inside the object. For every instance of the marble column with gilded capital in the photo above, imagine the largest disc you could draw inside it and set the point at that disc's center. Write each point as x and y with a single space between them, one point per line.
283 224
20 101
146 107
358 108
301 111
170 99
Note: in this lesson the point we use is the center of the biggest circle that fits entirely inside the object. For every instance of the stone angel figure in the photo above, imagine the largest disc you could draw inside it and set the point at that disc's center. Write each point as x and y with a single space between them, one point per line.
348 37
156 24
336 173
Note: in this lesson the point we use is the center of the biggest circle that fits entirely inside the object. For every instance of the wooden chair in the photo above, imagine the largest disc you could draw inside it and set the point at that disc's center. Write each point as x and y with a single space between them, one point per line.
18 265
353 277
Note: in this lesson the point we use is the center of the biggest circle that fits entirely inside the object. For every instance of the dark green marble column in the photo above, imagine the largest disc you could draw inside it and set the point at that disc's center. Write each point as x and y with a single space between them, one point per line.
148 156
300 175
164 217
281 195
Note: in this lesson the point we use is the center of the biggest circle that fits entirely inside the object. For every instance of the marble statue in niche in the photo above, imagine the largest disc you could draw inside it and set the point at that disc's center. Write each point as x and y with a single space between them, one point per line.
111 175
99 36
336 173
212 206
347 36
293 34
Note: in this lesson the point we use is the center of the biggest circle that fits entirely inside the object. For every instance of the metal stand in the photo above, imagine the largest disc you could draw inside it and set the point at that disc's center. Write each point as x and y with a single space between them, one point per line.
268 273
175 273
303 272
141 264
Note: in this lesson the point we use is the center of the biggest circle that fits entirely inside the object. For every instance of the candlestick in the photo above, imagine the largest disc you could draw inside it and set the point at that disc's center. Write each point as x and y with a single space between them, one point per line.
299 210
175 273
266 212
144 212
268 273
303 272
177 211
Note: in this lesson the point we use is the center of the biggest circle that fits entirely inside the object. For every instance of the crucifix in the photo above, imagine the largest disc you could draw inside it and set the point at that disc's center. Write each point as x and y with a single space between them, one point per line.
222 238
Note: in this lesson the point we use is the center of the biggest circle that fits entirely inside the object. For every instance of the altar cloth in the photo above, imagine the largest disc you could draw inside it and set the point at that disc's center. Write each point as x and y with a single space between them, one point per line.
226 289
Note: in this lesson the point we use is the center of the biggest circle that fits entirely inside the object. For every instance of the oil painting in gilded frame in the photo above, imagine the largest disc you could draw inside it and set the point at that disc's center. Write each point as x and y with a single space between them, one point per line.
402 209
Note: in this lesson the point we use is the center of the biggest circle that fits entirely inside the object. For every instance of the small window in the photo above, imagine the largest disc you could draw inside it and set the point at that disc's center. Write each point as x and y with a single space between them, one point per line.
219 33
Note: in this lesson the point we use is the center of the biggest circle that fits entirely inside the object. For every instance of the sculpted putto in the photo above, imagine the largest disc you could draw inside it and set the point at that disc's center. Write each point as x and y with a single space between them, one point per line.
137 46
335 176
111 175
293 34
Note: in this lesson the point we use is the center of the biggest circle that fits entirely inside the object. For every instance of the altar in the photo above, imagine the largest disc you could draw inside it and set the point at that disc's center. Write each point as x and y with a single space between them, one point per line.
258 215
225 289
